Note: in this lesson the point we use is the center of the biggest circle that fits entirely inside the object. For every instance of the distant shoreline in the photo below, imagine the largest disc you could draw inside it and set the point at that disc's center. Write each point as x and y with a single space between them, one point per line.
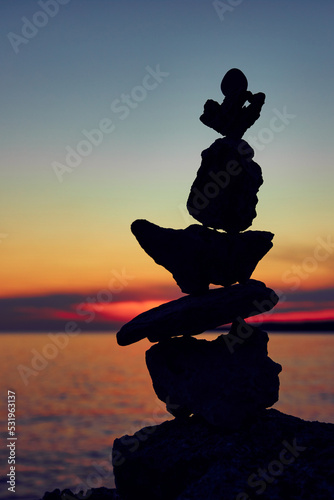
324 327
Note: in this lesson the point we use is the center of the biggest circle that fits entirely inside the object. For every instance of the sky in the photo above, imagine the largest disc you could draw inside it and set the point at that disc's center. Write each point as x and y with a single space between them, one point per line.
100 106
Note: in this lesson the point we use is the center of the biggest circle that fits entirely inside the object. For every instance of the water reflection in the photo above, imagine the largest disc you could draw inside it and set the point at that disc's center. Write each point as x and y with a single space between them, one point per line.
73 404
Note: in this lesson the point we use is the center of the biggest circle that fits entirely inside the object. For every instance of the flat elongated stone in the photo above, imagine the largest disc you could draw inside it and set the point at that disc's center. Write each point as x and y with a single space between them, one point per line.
226 381
198 256
192 315
224 193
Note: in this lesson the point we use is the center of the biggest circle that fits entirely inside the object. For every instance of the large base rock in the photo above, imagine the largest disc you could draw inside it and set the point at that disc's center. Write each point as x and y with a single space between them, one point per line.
192 315
277 457
198 256
227 380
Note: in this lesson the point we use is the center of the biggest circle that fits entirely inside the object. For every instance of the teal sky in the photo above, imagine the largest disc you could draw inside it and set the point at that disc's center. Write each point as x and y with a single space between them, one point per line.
67 75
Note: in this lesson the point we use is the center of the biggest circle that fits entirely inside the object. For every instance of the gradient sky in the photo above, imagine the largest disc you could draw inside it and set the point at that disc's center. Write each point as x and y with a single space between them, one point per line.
72 238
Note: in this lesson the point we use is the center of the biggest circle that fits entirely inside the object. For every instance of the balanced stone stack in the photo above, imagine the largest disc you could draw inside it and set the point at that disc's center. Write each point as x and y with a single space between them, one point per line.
223 444
230 380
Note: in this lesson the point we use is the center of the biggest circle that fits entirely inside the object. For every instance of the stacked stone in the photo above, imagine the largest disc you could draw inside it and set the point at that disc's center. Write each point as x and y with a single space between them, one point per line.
231 379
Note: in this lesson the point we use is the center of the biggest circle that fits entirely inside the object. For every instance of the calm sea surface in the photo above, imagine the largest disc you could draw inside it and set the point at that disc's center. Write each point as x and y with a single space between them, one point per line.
74 395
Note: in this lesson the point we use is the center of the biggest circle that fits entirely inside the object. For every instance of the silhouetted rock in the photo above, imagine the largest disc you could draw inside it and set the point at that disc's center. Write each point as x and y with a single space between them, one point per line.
239 380
276 456
198 256
223 195
232 118
192 315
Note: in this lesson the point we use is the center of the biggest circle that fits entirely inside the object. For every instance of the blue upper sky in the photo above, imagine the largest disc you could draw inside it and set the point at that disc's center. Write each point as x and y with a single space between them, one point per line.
68 66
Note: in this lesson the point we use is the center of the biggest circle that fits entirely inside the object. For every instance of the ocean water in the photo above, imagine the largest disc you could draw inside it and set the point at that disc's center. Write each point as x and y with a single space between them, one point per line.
75 395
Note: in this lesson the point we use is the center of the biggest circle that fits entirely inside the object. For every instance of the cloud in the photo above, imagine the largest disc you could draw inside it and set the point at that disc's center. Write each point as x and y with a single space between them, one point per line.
317 296
93 311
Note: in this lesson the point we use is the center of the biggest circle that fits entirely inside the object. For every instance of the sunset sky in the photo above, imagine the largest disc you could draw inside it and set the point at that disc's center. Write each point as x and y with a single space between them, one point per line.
140 72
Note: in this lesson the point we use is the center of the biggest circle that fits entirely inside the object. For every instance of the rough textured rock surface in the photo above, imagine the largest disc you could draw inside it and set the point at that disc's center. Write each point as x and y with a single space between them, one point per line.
198 256
92 494
227 381
276 456
223 195
232 118
192 315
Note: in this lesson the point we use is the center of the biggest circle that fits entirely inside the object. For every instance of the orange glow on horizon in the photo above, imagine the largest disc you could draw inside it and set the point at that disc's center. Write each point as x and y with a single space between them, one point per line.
127 310
294 316
122 311
116 314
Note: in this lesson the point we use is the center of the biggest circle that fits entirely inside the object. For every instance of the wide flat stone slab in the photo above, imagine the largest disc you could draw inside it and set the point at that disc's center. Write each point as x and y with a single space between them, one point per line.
198 256
192 315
